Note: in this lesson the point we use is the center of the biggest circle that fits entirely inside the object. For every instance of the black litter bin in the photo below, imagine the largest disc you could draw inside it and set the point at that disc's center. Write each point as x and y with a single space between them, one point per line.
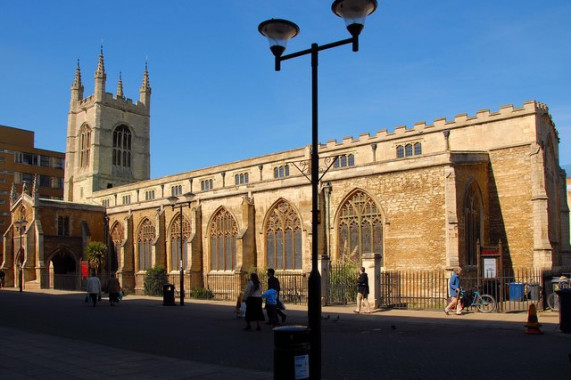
291 353
168 295
564 310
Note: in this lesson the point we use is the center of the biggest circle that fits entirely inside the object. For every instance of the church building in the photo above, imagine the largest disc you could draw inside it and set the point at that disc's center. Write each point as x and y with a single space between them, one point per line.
420 198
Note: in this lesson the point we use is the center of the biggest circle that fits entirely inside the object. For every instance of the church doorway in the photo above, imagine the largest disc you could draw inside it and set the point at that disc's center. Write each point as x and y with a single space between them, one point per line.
63 271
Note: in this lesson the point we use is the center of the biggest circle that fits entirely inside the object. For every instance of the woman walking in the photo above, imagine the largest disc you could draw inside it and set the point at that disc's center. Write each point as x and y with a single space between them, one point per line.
253 297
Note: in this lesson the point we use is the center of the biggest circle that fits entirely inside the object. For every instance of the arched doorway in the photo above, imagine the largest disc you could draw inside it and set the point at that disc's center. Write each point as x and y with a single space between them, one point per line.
63 271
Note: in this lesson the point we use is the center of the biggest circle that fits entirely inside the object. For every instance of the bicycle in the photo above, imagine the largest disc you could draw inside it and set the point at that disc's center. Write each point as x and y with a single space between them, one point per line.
485 303
562 283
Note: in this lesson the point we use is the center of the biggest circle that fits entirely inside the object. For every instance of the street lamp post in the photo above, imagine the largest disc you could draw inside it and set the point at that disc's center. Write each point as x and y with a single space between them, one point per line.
279 32
174 200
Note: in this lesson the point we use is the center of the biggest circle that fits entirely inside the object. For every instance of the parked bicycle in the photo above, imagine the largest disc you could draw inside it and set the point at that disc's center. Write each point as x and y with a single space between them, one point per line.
561 283
484 303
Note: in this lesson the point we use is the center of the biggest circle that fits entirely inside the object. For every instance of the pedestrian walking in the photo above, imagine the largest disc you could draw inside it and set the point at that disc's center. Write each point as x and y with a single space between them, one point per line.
363 291
274 283
454 292
94 289
113 288
253 297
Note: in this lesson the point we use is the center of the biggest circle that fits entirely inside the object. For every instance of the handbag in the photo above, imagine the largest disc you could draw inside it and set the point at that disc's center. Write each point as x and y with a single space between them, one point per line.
120 295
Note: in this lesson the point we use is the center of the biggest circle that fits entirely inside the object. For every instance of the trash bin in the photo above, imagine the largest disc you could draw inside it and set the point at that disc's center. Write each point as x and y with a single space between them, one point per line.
564 310
533 288
291 353
555 287
516 291
168 295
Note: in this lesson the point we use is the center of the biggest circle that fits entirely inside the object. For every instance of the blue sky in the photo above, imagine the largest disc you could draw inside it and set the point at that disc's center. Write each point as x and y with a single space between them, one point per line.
217 99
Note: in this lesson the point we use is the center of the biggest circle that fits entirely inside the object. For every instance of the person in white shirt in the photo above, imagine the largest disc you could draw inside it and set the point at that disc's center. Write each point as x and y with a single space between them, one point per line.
94 289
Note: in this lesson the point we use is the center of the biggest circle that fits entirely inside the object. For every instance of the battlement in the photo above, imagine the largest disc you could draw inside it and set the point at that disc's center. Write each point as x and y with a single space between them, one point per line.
116 102
461 119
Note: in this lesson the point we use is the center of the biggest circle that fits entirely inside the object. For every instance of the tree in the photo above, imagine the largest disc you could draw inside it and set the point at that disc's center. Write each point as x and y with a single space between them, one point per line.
96 252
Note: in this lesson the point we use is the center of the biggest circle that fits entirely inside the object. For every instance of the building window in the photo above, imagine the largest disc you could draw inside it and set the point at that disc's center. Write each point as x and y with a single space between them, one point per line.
45 161
149 195
85 146
241 178
206 185
27 178
25 158
122 147
63 225
57 163
126 199
223 236
408 150
145 239
176 190
359 227
176 254
344 160
283 237
281 171
45 181
57 183
105 203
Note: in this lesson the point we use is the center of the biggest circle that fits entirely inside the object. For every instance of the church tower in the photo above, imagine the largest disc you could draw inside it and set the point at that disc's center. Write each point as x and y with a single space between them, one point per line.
108 137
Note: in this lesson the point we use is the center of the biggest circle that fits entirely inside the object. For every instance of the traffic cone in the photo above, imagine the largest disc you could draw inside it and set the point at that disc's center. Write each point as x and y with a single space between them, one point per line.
532 322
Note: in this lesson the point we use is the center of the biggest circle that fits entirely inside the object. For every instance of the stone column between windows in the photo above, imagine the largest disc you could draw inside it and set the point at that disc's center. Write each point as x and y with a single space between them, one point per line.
372 264
451 218
542 251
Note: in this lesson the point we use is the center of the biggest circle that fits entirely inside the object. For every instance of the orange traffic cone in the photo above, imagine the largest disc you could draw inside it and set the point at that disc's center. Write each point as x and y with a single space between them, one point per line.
532 322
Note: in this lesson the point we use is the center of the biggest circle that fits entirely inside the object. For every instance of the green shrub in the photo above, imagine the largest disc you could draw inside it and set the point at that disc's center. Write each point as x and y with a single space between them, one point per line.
155 278
201 293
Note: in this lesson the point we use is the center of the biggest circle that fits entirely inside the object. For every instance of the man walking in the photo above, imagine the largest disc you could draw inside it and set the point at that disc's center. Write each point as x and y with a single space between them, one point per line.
274 283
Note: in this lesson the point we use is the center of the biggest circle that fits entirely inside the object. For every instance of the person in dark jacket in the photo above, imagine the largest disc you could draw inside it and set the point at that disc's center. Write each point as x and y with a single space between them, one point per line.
274 283
363 291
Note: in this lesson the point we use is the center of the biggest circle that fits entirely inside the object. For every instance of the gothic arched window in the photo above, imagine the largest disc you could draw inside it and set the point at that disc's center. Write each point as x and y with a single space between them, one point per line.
117 237
145 239
283 237
360 227
85 146
223 236
472 224
122 147
176 255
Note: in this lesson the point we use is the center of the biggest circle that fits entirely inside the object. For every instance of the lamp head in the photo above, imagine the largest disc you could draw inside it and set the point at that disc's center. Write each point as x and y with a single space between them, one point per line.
278 32
354 12
173 199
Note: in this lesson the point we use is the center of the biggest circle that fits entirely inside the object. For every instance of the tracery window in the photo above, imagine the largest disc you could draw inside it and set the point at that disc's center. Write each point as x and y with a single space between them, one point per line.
145 239
176 254
85 146
223 237
359 227
472 224
122 147
283 237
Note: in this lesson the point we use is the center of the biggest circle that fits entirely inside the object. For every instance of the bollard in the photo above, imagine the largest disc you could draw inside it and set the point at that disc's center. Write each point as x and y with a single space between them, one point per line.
291 353
564 310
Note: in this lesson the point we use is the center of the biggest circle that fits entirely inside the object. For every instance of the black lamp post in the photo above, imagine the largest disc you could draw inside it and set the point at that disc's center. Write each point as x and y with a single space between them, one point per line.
278 32
174 200
22 226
